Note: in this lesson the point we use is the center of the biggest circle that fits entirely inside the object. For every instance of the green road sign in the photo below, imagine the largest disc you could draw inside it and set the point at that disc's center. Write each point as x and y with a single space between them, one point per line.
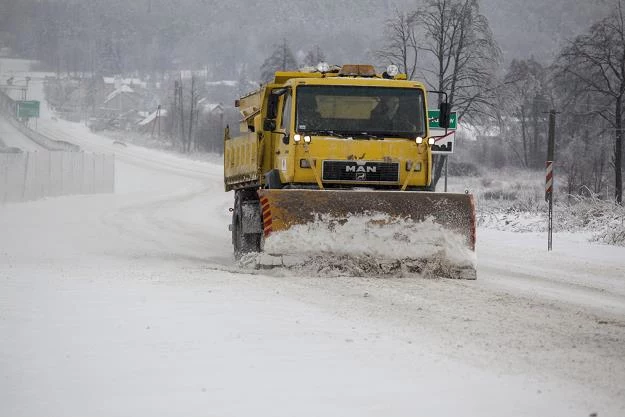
433 119
27 109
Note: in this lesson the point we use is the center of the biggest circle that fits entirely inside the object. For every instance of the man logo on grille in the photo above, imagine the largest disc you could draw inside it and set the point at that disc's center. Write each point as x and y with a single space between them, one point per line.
361 176
360 168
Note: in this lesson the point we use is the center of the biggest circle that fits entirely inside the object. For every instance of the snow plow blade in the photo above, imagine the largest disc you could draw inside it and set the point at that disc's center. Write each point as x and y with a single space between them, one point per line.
405 212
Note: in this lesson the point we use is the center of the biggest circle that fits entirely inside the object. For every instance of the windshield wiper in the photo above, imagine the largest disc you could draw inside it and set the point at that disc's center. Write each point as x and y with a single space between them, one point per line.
366 135
326 132
410 135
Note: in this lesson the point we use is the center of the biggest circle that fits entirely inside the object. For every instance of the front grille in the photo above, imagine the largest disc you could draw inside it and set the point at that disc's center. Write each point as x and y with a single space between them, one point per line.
361 171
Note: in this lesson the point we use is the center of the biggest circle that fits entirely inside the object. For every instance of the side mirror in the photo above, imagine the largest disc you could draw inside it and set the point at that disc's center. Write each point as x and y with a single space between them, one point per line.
269 125
444 114
279 91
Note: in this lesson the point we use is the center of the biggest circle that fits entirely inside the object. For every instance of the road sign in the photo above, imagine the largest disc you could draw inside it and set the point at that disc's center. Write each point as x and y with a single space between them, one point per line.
444 143
433 116
27 109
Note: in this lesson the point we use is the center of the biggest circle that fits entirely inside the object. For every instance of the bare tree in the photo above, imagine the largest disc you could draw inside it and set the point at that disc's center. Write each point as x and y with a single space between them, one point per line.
314 56
525 98
401 46
461 57
281 59
596 61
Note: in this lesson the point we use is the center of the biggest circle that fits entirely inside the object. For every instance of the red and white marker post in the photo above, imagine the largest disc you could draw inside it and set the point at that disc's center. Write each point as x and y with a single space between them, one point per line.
549 175
549 198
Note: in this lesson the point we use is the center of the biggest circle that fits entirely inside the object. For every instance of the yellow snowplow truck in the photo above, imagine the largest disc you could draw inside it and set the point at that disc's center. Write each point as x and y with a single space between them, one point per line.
332 143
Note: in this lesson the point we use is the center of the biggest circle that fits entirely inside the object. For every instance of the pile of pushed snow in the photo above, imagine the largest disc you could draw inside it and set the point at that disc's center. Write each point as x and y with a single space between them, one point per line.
371 244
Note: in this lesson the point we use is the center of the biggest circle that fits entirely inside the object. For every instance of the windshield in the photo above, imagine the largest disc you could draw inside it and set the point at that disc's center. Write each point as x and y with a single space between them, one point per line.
360 111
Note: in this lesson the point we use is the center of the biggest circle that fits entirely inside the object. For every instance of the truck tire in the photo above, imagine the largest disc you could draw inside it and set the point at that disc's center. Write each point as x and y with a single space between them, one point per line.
246 223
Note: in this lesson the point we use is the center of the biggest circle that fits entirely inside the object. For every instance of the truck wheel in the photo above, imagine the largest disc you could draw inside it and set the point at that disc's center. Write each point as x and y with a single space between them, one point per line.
246 223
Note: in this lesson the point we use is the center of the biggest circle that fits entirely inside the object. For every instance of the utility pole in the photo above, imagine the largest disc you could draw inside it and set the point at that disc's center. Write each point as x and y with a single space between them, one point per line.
535 158
189 142
26 90
158 118
524 135
174 112
180 101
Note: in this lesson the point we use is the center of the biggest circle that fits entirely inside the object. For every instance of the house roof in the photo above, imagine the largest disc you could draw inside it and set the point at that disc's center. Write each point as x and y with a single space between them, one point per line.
228 83
124 81
124 89
210 107
150 117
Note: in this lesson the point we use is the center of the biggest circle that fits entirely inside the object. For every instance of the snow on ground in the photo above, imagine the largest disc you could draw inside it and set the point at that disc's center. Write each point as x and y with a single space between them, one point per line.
131 304
374 243
511 199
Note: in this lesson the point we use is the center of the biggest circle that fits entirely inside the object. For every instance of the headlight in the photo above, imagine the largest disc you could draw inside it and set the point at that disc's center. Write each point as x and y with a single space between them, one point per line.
297 138
431 141
416 168
419 140
392 70
307 139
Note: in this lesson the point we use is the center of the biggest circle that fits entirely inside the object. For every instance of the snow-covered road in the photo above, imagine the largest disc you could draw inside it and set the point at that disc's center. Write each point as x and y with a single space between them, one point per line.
131 304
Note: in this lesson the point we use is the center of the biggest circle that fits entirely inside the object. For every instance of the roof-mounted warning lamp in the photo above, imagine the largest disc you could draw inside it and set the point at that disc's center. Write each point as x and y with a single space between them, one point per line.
351 70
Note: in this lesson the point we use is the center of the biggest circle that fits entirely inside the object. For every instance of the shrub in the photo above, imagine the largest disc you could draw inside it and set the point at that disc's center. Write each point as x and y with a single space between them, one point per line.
463 169
499 195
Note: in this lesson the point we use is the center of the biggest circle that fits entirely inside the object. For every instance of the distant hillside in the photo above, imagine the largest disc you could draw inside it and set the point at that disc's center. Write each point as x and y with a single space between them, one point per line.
350 29
235 36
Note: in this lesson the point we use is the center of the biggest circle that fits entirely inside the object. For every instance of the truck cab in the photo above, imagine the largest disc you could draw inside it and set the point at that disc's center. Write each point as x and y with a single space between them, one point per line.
343 129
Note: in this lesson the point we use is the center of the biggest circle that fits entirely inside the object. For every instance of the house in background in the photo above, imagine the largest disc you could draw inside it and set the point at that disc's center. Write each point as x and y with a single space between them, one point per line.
153 123
211 124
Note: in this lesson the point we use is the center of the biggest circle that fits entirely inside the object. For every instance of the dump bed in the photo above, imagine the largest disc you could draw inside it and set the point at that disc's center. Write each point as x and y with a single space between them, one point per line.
242 153
241 161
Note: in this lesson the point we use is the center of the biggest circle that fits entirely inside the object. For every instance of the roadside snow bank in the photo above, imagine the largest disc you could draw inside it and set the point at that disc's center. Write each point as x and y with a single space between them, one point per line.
514 200
604 221
371 244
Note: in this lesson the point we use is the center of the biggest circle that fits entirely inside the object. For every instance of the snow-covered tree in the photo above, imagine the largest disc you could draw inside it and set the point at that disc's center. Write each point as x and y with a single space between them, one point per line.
460 57
594 63
525 99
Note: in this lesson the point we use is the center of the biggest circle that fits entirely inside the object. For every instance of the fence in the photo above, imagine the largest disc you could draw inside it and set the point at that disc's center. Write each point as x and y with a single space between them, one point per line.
34 175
